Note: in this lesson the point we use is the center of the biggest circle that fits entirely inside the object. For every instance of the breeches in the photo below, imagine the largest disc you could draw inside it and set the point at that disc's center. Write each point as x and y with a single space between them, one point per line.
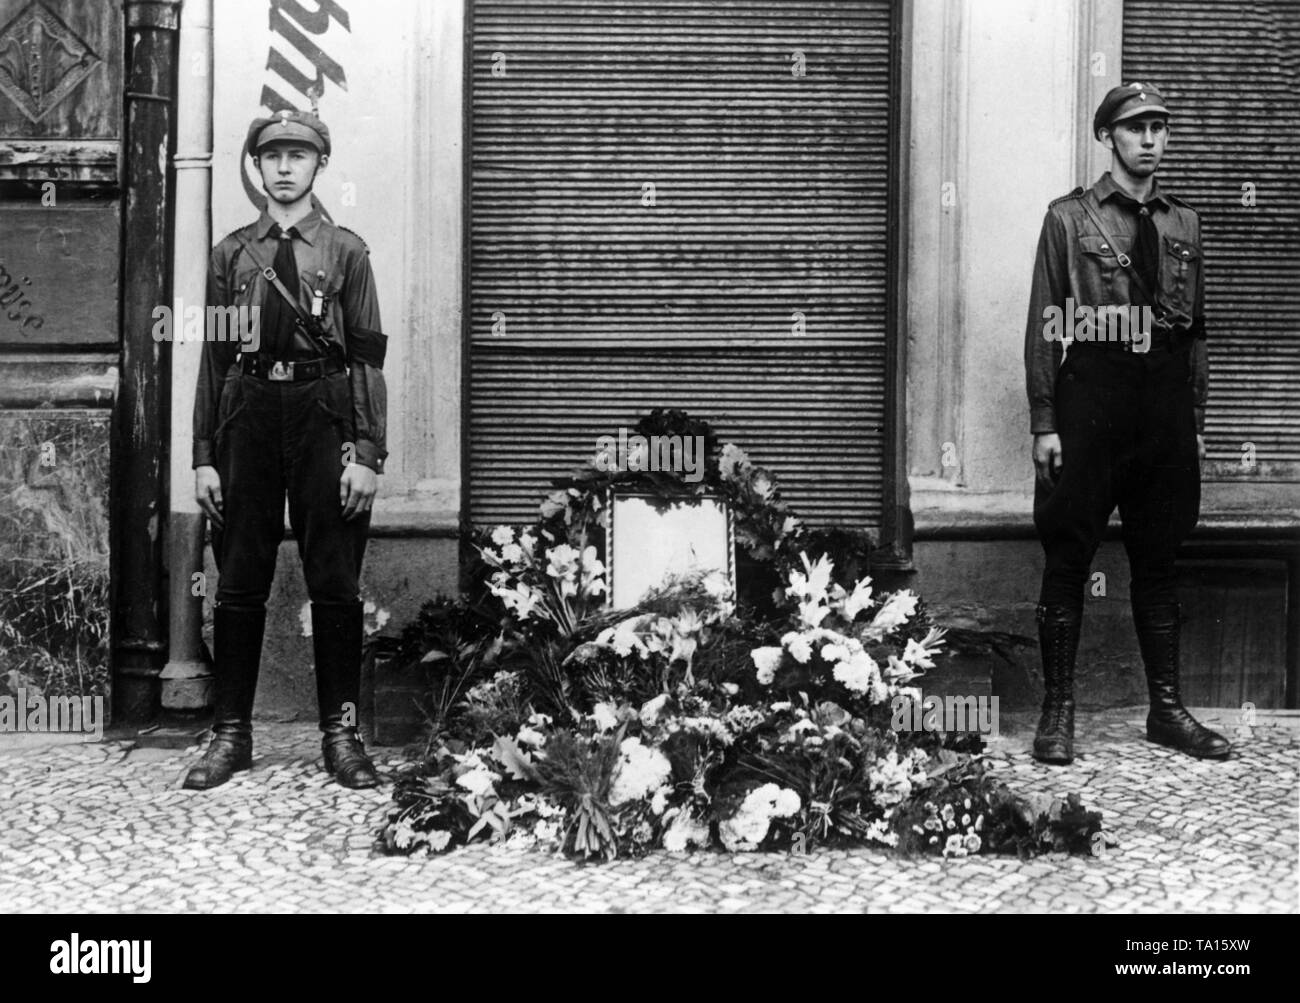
1128 439
285 439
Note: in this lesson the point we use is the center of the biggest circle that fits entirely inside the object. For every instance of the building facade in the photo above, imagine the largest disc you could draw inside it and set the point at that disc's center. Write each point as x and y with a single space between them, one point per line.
812 224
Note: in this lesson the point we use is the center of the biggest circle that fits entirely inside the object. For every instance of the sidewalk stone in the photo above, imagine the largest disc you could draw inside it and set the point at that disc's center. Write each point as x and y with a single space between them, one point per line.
1194 836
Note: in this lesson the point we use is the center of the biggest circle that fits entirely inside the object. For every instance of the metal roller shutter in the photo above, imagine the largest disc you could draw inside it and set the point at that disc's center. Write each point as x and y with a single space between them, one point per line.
1232 73
586 308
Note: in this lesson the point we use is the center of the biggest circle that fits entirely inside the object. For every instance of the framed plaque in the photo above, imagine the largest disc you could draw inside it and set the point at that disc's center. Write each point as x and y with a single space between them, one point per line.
652 540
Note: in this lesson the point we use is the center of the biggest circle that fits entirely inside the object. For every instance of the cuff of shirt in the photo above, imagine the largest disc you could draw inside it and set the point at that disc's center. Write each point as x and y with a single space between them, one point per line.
1042 420
1200 420
203 454
369 455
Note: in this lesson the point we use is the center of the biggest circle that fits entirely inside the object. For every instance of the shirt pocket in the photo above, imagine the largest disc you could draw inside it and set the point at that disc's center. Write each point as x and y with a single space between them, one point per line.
246 280
1180 271
1101 279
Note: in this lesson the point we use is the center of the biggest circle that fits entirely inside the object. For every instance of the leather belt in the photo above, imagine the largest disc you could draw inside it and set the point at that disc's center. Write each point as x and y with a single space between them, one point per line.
266 368
1159 340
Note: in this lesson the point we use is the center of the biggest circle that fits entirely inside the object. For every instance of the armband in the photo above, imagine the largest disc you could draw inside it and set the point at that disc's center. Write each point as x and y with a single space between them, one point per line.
367 347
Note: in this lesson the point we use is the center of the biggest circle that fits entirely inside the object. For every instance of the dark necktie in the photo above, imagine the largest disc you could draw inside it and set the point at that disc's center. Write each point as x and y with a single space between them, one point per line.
280 317
1146 248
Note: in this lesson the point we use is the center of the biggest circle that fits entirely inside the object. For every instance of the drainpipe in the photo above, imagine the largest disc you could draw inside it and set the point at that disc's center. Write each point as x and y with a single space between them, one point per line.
139 644
187 678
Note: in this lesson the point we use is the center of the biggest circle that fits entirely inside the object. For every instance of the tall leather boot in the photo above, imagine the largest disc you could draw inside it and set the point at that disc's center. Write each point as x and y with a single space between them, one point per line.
1169 723
237 640
1058 639
336 640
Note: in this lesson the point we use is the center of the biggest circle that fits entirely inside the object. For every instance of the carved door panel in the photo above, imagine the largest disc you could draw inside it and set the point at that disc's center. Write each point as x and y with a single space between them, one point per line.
60 149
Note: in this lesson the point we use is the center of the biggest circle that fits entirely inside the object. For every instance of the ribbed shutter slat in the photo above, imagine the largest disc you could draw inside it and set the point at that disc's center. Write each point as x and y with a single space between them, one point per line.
1232 75
773 198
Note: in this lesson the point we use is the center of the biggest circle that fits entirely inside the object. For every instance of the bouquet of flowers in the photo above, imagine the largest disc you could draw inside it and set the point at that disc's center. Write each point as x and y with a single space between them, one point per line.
691 721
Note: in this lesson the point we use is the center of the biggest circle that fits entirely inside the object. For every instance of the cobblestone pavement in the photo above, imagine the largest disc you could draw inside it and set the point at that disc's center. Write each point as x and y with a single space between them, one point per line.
104 827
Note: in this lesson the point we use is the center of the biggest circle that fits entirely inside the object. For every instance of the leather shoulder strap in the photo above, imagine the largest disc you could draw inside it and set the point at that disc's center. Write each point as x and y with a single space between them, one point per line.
268 273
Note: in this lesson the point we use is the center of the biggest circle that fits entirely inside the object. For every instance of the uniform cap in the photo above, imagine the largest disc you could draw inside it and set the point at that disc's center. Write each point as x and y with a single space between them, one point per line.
300 126
1128 101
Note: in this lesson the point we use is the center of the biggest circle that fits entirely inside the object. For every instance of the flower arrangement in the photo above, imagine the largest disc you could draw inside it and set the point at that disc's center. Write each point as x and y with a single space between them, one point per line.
693 720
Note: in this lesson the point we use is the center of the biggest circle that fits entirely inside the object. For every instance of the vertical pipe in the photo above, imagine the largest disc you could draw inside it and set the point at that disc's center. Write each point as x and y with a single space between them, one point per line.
187 679
139 645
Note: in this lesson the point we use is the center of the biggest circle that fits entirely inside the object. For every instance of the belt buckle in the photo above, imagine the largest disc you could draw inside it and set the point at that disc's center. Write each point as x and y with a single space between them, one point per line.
281 372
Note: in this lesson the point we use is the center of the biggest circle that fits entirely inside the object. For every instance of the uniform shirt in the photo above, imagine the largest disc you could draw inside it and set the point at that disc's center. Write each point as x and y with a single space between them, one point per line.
330 259
1075 262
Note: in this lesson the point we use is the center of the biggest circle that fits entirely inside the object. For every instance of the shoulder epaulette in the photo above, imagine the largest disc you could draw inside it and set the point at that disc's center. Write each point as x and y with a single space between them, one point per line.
1182 202
1064 198
357 235
234 234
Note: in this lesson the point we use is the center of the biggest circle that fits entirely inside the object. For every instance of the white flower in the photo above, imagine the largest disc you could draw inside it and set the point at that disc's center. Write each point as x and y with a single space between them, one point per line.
473 760
859 600
917 656
880 832
530 737
659 803
813 612
891 780
512 553
593 572
732 462
896 611
528 542
520 600
716 586
547 831
798 647
834 652
731 689
403 833
767 661
709 726
641 770
652 709
503 535
897 670
955 846
562 565
748 827
623 638
813 585
859 674
684 831
605 717
477 782
438 840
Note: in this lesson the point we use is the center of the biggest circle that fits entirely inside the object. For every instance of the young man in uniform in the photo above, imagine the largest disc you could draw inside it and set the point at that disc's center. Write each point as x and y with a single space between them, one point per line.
303 415
1120 421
